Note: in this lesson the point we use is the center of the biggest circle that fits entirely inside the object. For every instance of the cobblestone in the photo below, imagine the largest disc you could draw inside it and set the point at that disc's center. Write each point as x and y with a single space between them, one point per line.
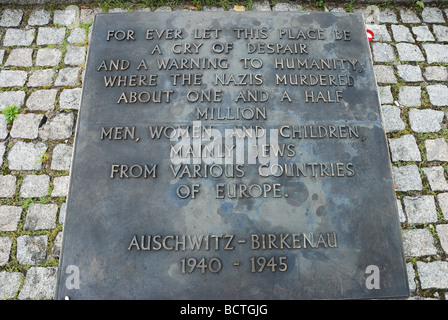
436 149
34 186
7 186
410 73
62 155
5 249
421 209
410 96
43 100
41 217
10 284
48 57
31 249
426 120
442 199
18 37
9 217
402 33
423 33
418 243
43 51
391 118
40 283
26 126
436 73
11 18
12 78
26 155
438 95
436 52
41 78
436 178
409 52
442 231
48 36
58 128
39 17
21 57
407 178
404 149
10 98
433 274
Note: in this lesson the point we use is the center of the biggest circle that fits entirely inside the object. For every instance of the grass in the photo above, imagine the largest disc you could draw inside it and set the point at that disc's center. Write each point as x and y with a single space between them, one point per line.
10 113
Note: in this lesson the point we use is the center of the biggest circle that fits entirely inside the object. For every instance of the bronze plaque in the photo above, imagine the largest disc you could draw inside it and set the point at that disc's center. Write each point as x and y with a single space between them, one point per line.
230 155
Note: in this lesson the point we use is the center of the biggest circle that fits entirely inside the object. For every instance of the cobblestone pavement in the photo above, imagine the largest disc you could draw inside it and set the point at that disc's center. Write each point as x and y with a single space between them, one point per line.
42 56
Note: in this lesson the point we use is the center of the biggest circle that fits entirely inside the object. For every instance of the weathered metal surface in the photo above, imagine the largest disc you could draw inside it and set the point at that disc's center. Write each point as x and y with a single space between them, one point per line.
144 223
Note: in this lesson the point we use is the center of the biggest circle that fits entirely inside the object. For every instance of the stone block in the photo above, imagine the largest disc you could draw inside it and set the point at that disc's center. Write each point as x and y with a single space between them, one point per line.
410 73
75 56
68 17
40 283
3 127
12 78
9 284
11 18
441 33
62 157
48 57
407 178
26 126
34 186
436 73
5 250
7 186
31 250
401 33
39 17
420 209
436 178
409 52
380 32
41 217
418 243
422 33
438 95
433 275
404 149
410 96
59 127
432 15
26 155
436 52
9 98
409 16
49 36
391 118
382 52
60 186
67 77
436 149
43 100
9 217
426 120
70 99
18 37
41 78
78 35
20 57
442 199
384 74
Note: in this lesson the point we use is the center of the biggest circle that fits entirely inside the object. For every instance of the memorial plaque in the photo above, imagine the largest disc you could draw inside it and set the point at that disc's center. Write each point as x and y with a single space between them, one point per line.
230 156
